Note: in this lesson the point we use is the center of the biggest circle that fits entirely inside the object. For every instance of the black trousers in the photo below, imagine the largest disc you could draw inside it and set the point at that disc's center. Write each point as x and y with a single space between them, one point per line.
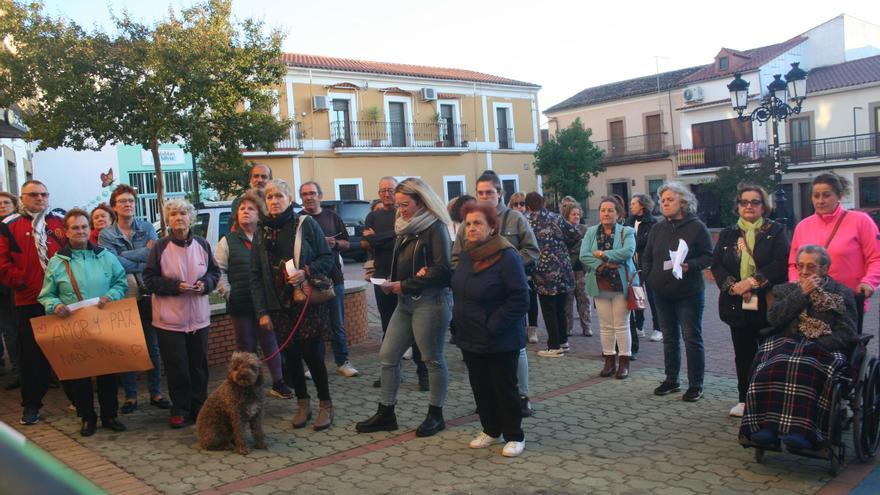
34 370
533 306
745 346
312 352
83 397
493 381
860 312
185 356
387 303
553 309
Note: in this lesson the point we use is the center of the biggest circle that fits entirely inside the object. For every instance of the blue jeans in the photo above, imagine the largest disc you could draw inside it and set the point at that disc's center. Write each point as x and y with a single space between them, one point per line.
424 320
682 318
154 376
337 327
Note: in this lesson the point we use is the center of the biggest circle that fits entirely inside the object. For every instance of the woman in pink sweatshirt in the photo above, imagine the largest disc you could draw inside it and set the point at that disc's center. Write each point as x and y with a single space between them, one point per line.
850 237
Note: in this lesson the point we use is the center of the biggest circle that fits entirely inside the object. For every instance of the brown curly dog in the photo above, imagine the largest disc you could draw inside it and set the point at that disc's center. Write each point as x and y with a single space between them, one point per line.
237 402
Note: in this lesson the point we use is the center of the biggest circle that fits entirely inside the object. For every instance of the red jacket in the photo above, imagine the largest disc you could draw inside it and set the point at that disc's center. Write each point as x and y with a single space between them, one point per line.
20 266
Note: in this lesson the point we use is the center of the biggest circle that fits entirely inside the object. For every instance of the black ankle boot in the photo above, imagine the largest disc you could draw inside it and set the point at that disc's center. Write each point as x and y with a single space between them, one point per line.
433 422
383 420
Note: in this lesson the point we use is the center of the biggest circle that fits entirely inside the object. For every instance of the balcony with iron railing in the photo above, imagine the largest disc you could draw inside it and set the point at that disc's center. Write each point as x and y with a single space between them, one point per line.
398 136
291 144
832 149
635 148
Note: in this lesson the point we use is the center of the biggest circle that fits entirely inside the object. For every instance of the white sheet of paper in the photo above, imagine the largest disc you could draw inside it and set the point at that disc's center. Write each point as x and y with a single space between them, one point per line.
290 267
85 303
678 256
377 281
752 305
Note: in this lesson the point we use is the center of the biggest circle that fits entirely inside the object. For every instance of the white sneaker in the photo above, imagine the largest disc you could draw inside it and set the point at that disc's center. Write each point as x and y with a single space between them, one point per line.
483 440
532 332
552 353
657 336
513 449
408 354
737 410
565 347
641 333
346 369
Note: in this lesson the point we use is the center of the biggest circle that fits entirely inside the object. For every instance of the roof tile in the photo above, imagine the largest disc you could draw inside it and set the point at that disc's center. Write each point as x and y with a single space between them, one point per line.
756 58
625 89
351 65
853 73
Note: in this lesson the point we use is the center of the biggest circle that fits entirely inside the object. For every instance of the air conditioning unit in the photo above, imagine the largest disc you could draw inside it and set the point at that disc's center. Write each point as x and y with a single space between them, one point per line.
429 94
692 95
320 103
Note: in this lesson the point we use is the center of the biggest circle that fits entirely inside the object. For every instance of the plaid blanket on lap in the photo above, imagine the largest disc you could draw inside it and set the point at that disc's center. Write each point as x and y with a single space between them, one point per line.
790 388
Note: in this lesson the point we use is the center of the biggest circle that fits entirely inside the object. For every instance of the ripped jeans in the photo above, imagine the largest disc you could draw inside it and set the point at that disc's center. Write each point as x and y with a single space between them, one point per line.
422 319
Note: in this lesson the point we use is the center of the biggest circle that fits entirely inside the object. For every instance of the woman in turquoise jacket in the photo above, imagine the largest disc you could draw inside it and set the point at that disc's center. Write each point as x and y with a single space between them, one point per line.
607 255
96 273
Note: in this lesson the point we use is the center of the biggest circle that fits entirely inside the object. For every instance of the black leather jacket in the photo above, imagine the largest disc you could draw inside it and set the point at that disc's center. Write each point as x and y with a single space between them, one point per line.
428 248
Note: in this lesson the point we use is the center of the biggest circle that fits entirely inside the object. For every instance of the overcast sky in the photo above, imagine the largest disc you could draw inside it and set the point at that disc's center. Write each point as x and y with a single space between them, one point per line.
562 45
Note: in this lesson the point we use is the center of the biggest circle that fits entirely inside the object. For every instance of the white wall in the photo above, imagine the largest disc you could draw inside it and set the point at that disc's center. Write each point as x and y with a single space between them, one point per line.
833 112
20 148
861 39
74 177
825 45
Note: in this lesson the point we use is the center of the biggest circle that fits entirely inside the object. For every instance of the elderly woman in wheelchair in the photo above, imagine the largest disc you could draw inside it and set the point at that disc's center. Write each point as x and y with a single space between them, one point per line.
796 373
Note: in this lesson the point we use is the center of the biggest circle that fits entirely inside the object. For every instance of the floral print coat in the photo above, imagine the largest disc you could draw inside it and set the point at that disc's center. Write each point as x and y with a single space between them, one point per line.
556 238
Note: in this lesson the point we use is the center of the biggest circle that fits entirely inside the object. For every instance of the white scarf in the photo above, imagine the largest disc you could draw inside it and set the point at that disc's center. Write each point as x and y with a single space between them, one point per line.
39 225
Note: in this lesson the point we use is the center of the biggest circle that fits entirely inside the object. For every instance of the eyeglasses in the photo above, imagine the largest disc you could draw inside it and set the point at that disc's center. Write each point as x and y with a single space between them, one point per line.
125 201
386 191
36 194
754 203
518 204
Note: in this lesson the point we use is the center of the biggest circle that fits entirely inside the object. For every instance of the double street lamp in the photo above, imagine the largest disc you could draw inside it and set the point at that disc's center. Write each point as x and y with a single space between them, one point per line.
783 100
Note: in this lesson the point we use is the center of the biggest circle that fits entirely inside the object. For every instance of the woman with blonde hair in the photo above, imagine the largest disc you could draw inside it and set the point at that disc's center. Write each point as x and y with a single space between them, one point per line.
420 277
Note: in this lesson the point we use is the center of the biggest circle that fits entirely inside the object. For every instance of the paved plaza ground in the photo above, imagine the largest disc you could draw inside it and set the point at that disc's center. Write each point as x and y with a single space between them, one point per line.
588 435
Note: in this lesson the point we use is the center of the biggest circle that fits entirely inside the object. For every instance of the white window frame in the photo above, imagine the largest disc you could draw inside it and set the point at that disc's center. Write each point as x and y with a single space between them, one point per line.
456 118
514 178
353 181
509 108
408 136
453 178
352 114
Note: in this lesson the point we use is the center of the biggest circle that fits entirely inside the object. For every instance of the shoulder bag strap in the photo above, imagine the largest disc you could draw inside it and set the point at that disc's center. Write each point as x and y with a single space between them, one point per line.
79 296
833 232
297 243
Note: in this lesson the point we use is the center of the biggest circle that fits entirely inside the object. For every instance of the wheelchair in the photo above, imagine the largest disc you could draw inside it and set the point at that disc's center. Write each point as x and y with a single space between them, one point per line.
855 405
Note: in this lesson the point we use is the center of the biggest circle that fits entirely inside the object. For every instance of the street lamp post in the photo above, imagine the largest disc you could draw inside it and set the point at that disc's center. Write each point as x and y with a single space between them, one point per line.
783 100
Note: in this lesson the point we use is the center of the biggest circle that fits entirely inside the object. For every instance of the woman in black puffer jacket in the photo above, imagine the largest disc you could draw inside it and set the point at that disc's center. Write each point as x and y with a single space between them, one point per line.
749 259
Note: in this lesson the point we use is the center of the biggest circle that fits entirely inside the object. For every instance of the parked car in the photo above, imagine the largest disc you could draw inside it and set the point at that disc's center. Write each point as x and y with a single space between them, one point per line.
213 220
353 214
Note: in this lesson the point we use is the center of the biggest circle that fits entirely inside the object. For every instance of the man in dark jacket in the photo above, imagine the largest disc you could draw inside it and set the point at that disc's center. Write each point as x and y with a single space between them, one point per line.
679 301
337 238
27 241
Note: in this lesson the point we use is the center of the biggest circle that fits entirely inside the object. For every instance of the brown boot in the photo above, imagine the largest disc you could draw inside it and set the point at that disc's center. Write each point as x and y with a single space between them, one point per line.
610 366
303 413
623 369
325 415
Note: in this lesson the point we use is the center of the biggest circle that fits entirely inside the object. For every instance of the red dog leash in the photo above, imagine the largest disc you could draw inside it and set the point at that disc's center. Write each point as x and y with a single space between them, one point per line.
299 320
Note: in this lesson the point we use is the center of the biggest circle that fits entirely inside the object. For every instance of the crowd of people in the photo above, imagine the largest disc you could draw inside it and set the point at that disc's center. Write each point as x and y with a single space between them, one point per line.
477 267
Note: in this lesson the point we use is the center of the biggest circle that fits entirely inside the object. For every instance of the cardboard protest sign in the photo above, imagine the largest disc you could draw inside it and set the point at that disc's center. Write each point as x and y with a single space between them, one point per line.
93 341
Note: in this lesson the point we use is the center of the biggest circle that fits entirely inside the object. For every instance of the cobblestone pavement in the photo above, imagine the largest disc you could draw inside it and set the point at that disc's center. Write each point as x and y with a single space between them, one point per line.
588 435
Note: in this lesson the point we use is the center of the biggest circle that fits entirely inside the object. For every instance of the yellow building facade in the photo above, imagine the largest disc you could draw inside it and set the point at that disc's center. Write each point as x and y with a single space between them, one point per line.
358 121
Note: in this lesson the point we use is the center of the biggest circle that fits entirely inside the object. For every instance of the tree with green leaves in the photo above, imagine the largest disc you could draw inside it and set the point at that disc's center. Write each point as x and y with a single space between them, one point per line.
740 171
567 161
198 78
